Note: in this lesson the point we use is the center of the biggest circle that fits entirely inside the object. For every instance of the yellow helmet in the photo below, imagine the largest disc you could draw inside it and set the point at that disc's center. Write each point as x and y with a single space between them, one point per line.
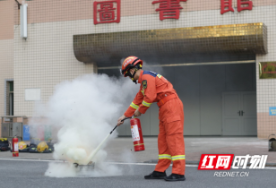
42 146
3 139
22 145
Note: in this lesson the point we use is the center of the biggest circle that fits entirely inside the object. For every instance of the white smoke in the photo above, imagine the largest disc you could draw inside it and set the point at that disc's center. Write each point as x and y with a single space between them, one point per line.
84 111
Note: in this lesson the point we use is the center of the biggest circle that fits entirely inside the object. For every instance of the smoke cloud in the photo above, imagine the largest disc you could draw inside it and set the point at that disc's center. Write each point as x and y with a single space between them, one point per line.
84 111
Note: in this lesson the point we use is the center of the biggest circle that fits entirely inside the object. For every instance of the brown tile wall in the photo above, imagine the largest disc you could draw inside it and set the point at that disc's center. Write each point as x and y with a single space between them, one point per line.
266 125
6 20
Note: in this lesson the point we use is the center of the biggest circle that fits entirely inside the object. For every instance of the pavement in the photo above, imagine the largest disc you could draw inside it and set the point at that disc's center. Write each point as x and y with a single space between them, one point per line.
125 168
121 149
31 174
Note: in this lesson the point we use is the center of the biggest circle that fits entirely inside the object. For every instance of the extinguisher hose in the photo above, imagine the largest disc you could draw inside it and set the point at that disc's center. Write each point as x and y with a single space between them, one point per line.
99 146
117 125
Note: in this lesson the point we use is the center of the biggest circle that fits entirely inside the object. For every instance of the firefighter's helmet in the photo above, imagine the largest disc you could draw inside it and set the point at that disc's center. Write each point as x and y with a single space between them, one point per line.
42 146
129 63
22 145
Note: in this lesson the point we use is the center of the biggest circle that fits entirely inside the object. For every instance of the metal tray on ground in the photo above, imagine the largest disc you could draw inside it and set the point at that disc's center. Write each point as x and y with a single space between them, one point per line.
87 167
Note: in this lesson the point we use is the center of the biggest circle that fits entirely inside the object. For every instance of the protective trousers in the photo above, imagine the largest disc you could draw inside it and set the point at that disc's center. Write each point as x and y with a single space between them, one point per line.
170 139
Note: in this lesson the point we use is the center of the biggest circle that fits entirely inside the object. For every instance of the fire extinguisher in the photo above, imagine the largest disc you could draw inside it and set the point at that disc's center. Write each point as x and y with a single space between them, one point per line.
137 136
15 152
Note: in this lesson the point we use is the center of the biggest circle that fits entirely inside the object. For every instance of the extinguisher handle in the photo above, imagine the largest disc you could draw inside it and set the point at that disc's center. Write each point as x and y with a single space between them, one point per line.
117 125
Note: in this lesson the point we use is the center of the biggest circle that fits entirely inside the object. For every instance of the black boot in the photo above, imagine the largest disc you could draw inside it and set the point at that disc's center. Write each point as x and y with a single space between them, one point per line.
156 175
175 177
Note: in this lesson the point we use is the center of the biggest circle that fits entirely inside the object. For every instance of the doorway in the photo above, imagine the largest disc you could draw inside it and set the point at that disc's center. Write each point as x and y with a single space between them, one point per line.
239 115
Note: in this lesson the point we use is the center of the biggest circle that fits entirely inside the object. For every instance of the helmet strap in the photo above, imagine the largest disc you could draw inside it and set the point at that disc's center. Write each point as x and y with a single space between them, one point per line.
132 76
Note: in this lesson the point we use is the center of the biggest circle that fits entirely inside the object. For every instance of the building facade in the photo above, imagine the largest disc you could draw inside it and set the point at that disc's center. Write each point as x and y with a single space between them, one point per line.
219 54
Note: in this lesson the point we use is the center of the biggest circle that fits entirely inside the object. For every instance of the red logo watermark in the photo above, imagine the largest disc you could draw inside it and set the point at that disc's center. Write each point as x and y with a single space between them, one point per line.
224 162
215 161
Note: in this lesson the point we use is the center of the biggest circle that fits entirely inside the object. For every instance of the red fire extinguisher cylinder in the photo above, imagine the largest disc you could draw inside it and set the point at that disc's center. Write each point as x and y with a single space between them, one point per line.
137 136
15 152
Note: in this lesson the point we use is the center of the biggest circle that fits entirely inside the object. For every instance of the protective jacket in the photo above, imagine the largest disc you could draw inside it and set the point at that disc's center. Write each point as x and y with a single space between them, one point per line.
155 88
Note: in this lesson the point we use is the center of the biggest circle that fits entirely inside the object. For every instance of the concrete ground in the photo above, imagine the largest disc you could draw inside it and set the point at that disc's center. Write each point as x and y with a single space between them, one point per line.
121 149
30 174
30 170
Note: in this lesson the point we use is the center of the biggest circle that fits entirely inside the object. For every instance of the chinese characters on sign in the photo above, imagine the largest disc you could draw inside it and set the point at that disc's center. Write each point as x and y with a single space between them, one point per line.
267 70
169 9
272 111
107 11
244 5
226 5
110 11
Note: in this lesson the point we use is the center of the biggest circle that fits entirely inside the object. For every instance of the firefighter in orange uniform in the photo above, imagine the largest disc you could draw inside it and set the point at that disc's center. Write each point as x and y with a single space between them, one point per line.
155 88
